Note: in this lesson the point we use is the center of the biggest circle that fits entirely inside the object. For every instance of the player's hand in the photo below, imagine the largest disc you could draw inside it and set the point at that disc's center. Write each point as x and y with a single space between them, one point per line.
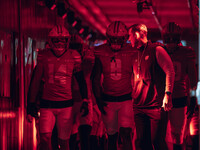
167 102
29 118
84 108
191 107
101 106
32 111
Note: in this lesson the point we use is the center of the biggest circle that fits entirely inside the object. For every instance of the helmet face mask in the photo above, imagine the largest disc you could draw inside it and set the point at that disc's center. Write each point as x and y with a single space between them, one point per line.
117 35
171 38
59 39
117 40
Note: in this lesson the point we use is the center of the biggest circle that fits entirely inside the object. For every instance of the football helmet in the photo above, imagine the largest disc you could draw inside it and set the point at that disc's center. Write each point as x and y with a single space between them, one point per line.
171 33
117 35
138 35
58 39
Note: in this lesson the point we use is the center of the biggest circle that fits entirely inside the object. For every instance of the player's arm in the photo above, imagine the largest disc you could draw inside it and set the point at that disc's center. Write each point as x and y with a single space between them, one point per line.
191 68
82 84
192 74
96 84
96 78
79 75
166 64
34 87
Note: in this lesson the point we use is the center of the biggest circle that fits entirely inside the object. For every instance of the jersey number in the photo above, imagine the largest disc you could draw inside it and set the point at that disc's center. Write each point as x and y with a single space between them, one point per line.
115 67
58 76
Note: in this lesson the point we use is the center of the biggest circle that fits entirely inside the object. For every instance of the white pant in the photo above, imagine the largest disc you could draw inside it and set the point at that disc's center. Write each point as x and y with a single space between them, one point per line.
62 117
118 114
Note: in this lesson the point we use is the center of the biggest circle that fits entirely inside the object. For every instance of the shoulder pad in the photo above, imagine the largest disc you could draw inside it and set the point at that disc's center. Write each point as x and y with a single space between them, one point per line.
76 56
188 51
42 54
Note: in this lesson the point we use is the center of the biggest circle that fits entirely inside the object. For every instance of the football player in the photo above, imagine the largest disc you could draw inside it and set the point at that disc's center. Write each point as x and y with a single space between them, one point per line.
56 65
113 61
184 65
153 84
82 123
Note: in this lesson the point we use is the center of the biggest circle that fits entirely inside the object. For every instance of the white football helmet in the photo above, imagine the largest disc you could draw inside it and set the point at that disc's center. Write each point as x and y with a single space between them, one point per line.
171 35
59 39
117 35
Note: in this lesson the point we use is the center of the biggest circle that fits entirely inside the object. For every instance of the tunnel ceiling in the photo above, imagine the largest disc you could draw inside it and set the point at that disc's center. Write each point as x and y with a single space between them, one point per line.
37 19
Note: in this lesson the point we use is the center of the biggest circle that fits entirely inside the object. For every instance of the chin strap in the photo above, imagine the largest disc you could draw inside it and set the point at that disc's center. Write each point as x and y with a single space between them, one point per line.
58 55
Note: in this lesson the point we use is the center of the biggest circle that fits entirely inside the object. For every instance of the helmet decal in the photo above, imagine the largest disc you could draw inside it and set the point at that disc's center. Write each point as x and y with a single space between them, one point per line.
117 29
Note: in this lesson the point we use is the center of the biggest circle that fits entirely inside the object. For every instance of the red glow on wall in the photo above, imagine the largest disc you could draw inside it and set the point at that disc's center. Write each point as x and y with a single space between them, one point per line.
21 128
34 135
4 115
81 30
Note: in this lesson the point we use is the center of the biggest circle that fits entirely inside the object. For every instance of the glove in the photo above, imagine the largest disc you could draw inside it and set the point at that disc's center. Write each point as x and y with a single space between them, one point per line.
191 107
84 109
32 110
101 104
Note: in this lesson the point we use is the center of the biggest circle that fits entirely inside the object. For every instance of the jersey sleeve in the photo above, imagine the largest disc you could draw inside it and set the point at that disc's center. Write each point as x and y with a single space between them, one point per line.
166 64
96 78
37 78
191 68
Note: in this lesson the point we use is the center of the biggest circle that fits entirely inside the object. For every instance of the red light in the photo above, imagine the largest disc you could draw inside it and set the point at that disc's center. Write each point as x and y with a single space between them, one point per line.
81 31
74 23
4 115
53 7
65 15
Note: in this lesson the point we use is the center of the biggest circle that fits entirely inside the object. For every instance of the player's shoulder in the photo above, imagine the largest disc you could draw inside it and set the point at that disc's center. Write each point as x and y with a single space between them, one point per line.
42 54
187 51
75 55
101 49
